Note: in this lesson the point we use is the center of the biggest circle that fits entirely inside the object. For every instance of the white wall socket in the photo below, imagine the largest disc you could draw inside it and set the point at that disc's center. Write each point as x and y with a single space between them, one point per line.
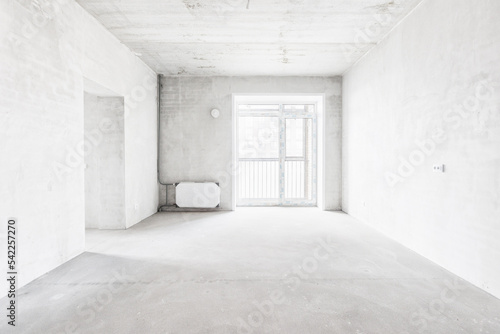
438 168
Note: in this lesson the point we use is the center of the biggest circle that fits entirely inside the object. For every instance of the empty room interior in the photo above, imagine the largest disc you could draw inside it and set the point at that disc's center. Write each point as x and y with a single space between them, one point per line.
250 166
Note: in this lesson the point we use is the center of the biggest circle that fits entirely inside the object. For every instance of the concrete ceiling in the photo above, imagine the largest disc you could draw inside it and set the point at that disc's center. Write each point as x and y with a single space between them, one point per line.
249 37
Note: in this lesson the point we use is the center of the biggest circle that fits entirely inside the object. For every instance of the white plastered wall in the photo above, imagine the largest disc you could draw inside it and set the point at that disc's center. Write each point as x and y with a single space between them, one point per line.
427 95
196 147
45 54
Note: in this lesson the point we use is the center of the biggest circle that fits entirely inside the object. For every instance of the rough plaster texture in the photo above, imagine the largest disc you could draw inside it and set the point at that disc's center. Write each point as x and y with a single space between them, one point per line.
45 52
290 270
104 162
196 147
429 94
230 37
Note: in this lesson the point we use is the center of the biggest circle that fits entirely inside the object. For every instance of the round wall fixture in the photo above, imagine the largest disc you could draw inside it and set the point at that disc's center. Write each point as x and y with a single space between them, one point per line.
215 113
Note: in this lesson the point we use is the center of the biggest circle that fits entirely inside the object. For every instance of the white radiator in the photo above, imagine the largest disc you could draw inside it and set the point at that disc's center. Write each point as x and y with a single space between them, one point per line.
197 195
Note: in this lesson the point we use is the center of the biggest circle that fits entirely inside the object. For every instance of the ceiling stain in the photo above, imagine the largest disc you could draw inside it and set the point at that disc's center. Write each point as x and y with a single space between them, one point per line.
220 8
385 7
284 58
191 5
289 37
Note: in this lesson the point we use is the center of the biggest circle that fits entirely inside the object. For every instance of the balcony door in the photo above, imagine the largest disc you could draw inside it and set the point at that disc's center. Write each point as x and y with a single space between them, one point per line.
276 154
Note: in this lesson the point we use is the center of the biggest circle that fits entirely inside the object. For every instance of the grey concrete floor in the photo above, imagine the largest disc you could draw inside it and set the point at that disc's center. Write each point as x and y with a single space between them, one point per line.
261 270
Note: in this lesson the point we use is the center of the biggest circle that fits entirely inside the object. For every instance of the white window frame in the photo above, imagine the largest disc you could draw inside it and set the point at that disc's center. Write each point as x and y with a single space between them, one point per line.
282 99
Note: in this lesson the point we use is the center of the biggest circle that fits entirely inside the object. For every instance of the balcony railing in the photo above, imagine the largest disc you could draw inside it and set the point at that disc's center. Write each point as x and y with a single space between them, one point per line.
259 179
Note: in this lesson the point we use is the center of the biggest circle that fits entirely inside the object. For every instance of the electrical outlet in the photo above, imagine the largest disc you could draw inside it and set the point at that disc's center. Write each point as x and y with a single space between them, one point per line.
438 168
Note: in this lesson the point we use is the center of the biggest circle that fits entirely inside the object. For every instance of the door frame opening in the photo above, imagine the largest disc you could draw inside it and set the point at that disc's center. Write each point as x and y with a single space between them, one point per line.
316 99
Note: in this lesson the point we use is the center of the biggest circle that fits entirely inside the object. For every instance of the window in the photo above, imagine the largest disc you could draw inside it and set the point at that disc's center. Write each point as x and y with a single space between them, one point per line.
276 154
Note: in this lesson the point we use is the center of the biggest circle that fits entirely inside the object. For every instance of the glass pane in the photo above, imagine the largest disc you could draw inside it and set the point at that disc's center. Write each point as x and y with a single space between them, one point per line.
259 107
294 137
258 137
307 108
294 179
298 182
259 179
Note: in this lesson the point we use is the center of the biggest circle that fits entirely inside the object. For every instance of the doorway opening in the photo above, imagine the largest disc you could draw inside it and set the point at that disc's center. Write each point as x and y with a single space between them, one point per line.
104 157
277 150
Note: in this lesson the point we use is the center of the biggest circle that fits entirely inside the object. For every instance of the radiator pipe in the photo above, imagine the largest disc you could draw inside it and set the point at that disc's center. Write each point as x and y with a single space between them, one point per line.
158 101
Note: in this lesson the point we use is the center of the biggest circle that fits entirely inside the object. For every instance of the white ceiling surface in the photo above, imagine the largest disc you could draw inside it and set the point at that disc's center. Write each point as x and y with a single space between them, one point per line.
256 37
